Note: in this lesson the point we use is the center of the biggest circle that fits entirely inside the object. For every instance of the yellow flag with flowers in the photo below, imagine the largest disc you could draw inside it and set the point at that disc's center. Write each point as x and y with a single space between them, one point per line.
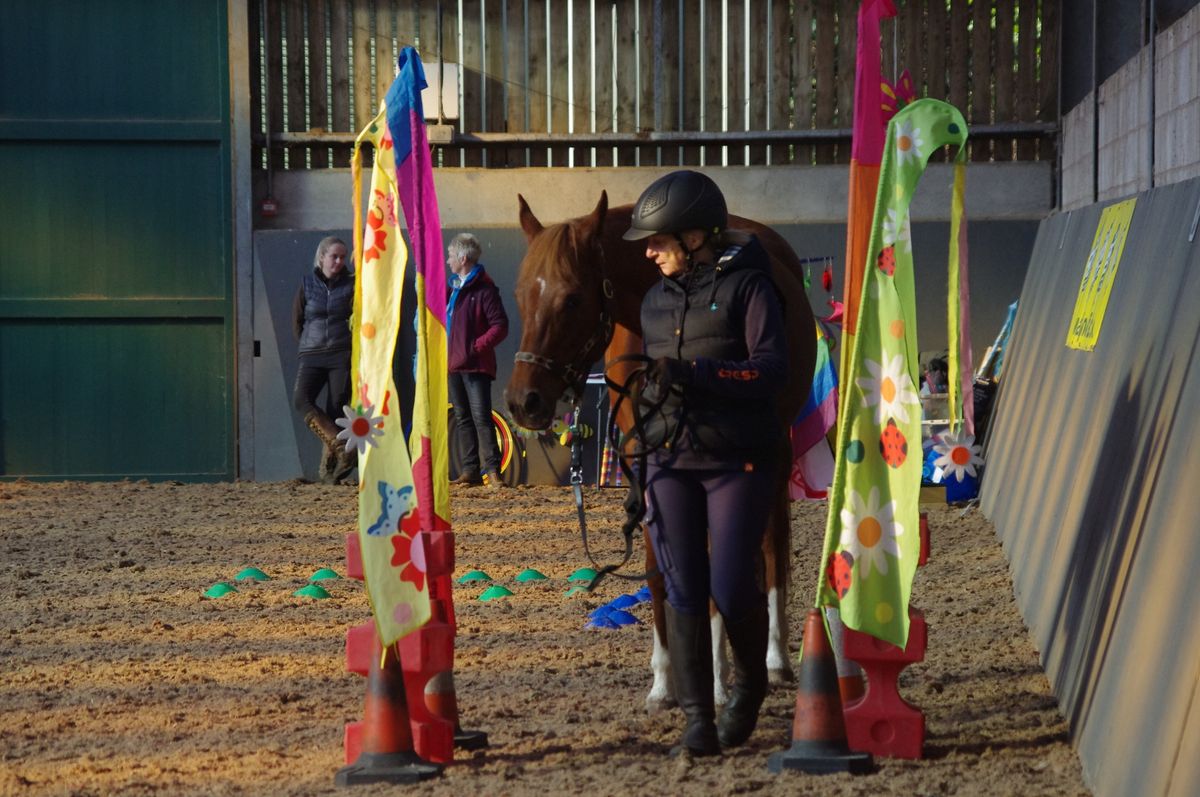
403 453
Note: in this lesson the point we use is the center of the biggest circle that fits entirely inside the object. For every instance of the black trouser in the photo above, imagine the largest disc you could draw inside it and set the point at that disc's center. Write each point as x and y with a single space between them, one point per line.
707 529
471 395
327 371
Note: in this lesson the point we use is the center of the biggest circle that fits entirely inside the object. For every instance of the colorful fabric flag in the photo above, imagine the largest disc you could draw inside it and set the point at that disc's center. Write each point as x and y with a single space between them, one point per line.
871 537
819 413
958 326
866 153
812 459
403 479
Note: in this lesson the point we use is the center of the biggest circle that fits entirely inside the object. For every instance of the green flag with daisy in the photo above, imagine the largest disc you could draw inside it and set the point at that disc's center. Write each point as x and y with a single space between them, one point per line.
871 537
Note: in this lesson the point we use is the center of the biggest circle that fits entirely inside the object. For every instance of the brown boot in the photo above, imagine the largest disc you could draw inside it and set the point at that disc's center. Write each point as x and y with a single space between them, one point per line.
325 429
328 465
344 464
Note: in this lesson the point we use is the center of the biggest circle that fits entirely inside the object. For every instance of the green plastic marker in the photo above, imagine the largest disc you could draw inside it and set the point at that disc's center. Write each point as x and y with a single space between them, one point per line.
219 590
323 574
252 574
473 577
311 591
530 575
494 592
582 574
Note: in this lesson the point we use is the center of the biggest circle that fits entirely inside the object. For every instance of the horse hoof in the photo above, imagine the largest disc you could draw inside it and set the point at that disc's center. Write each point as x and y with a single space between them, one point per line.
656 704
780 675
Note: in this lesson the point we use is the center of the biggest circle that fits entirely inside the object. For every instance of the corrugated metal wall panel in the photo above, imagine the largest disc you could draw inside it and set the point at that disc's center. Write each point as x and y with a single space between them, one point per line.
1091 485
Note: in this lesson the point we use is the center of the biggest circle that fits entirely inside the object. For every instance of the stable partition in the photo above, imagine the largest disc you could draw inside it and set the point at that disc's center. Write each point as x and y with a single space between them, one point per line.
1091 483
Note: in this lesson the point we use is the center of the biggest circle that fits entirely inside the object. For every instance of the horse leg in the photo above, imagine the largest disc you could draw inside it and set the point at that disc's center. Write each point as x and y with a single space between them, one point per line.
777 550
720 658
662 689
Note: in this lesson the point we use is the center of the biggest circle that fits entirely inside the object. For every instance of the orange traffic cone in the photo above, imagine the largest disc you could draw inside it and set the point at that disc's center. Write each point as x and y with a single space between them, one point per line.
851 683
818 730
385 736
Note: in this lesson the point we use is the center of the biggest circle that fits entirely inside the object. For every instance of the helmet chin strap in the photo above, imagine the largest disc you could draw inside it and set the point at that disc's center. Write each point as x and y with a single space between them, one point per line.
687 253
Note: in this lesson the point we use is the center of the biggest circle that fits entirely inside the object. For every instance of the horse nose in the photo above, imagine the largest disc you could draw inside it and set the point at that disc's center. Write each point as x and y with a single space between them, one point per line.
526 406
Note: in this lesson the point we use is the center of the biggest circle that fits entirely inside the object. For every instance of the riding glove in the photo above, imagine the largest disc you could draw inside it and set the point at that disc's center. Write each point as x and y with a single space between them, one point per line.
667 371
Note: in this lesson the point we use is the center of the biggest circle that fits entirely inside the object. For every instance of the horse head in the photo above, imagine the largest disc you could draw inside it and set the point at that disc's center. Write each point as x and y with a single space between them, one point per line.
564 298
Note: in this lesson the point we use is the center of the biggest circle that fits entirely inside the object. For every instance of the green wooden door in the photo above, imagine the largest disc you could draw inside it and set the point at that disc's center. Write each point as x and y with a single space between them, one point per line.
116 253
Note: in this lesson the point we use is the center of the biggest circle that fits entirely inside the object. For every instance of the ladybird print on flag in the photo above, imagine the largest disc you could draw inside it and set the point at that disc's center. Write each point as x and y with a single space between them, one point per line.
871 547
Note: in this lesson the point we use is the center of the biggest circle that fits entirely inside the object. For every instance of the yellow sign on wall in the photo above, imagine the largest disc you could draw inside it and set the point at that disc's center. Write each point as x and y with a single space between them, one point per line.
1099 275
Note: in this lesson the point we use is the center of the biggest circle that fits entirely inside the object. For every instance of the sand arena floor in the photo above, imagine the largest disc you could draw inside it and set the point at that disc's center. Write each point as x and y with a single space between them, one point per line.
118 677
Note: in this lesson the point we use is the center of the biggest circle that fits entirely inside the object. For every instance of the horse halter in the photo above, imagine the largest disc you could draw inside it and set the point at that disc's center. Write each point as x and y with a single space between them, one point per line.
574 373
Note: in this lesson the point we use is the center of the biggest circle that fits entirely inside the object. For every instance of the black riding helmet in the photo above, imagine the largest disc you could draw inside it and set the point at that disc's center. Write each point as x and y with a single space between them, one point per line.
679 201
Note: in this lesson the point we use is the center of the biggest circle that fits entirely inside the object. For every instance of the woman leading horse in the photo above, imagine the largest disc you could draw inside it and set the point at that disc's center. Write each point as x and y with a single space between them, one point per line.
580 293
713 327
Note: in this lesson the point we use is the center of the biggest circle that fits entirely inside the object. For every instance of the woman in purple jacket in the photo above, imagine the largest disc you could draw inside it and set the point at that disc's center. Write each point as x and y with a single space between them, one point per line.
477 322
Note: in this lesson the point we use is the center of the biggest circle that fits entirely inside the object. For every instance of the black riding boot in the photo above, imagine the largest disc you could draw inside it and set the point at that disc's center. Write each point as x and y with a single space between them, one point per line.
689 647
748 639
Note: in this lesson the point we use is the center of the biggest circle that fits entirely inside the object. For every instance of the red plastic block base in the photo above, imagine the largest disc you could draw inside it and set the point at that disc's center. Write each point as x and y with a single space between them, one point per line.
882 722
923 556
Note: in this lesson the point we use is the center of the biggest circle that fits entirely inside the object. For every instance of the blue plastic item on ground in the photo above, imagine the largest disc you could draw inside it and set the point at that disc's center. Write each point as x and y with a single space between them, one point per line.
601 622
622 617
624 602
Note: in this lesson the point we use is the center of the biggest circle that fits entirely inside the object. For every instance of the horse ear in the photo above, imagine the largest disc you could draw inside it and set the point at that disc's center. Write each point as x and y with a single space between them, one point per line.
594 223
529 222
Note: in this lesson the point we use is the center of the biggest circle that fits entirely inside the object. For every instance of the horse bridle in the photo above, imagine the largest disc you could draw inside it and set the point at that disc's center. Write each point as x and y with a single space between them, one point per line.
574 373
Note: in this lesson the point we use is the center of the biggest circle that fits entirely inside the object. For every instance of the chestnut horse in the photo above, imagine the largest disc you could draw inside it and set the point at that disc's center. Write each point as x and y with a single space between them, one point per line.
579 293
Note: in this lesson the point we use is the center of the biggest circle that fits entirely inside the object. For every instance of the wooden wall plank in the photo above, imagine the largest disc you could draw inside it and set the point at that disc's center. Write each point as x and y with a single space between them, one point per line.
936 35
912 41
647 156
981 71
759 97
339 77
559 107
1048 72
516 91
735 99
627 78
275 86
847 51
825 56
579 111
1027 87
385 49
257 122
960 55
604 78
471 43
689 63
1002 148
318 103
780 54
803 73
670 63
361 85
539 69
295 78
496 98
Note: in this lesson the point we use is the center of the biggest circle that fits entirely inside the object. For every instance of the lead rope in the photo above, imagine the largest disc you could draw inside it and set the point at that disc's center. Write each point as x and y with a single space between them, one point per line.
635 499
